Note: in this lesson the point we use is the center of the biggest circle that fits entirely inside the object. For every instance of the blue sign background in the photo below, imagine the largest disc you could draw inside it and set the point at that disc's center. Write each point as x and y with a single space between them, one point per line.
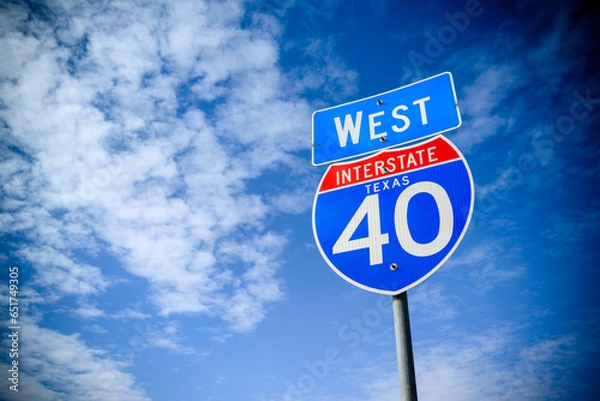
333 210
442 115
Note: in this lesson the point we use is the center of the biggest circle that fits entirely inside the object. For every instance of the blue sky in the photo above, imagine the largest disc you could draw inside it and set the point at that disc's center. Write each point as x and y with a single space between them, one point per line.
157 191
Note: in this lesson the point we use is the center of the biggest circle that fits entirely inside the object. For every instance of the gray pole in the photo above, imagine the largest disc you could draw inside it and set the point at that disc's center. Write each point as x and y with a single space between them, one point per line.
404 350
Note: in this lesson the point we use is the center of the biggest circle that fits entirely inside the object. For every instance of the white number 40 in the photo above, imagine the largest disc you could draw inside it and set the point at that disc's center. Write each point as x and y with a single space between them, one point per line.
375 239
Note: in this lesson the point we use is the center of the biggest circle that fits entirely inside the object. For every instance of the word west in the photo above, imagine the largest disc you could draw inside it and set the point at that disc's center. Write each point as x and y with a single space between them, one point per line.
394 164
352 127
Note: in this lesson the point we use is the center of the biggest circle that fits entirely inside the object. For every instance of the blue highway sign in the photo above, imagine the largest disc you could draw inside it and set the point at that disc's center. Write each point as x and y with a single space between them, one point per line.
388 221
403 115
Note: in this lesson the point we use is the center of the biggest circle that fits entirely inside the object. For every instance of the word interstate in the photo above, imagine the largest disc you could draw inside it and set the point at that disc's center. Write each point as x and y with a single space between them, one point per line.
393 164
390 162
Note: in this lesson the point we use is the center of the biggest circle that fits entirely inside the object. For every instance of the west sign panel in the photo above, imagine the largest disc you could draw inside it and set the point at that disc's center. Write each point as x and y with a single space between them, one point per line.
388 221
403 115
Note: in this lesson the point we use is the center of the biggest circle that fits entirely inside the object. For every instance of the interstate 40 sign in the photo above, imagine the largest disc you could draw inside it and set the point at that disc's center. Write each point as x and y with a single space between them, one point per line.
388 221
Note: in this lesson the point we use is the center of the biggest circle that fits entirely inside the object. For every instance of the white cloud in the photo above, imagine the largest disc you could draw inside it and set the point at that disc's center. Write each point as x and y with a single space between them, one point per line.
430 302
165 336
485 366
129 314
115 157
495 364
58 364
62 273
479 104
256 286
503 68
136 130
331 74
490 275
293 202
88 312
489 264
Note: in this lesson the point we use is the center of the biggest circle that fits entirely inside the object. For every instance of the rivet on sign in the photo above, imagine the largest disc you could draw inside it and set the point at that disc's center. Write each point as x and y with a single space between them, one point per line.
379 102
393 266
382 139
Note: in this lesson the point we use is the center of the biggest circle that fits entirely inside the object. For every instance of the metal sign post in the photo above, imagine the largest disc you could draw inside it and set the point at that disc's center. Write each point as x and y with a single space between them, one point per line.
404 350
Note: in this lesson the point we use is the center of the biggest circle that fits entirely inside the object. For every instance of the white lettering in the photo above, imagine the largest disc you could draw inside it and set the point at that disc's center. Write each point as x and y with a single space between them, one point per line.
374 124
367 170
402 117
350 127
430 151
420 153
421 103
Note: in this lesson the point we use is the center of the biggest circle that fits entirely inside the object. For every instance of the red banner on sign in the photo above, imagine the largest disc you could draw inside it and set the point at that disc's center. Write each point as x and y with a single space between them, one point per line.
388 163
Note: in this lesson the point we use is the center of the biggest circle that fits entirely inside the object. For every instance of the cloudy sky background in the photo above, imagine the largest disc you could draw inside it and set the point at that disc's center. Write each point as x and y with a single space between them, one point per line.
157 192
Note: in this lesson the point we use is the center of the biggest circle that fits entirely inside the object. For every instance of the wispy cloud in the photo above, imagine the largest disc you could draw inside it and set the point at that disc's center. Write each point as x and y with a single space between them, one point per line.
489 264
91 311
166 336
481 101
326 71
133 131
431 302
59 364
88 312
495 364
63 273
